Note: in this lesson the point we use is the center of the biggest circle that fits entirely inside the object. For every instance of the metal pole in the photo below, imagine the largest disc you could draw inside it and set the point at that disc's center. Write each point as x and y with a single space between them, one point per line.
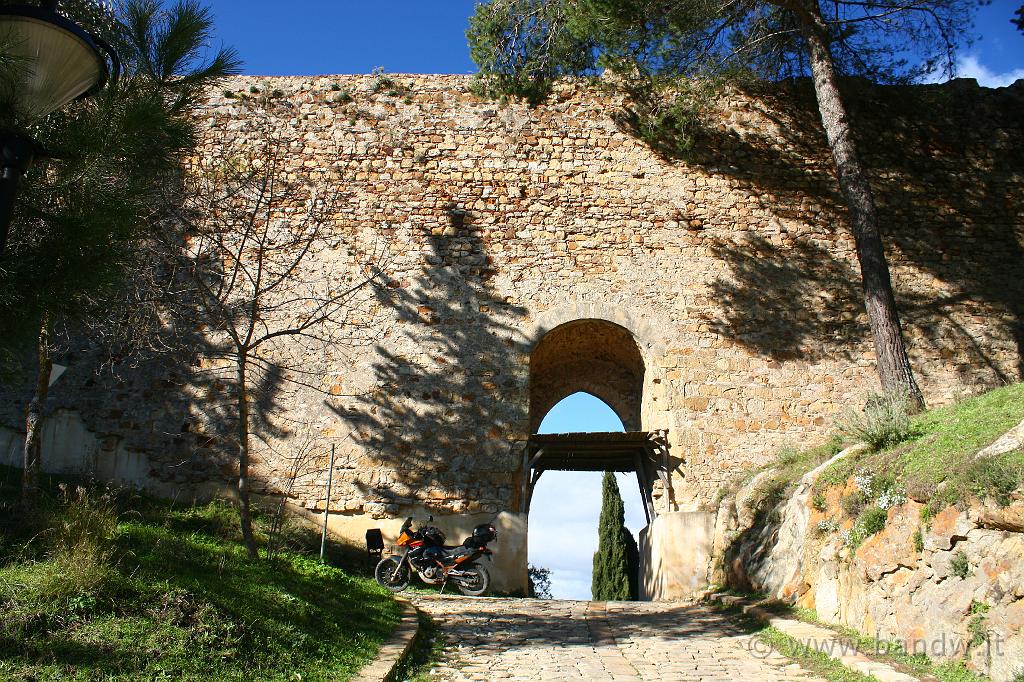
327 505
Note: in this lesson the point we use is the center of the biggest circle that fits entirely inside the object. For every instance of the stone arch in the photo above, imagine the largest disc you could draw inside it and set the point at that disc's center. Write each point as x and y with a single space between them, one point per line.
593 356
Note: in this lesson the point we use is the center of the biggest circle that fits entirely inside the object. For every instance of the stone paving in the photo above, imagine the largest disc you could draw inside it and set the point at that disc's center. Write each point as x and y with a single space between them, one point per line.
531 639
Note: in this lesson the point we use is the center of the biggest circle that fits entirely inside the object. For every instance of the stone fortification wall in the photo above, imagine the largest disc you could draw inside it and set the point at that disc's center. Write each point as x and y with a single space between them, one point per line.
733 271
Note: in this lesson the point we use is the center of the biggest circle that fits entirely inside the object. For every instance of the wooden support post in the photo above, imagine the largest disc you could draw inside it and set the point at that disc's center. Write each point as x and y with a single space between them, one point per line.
533 484
645 493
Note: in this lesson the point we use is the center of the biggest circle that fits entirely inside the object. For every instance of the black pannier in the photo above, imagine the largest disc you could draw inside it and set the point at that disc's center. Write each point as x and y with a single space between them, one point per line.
482 534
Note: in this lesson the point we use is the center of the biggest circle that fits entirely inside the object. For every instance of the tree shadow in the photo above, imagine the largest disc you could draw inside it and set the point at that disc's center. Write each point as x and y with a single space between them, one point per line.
449 391
944 162
494 629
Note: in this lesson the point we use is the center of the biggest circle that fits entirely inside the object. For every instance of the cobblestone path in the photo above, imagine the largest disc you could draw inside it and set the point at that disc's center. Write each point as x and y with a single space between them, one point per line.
531 639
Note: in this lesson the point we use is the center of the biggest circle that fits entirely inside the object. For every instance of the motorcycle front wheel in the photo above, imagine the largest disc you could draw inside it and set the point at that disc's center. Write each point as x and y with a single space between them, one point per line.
392 573
474 581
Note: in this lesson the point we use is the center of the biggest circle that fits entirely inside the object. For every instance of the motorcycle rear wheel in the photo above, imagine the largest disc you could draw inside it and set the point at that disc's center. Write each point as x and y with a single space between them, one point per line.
392 574
475 581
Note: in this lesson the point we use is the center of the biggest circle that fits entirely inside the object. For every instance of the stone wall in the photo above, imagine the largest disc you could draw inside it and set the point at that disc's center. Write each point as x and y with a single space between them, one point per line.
733 271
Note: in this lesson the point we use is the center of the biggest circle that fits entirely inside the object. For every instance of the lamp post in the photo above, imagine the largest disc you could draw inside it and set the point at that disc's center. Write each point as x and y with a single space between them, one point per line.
62 62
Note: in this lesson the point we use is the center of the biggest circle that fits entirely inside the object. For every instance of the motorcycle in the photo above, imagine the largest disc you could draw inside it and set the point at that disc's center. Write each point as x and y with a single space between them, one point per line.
436 564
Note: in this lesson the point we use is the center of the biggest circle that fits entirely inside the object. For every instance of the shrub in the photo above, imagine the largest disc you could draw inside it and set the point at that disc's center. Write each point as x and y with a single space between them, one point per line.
818 501
277 93
825 527
890 498
343 97
229 94
381 80
864 482
996 477
335 87
853 504
872 521
884 421
254 90
976 626
76 571
540 582
918 541
960 565
869 522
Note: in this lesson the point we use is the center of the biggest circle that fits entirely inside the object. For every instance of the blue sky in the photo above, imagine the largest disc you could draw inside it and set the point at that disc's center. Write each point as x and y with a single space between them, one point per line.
304 37
566 504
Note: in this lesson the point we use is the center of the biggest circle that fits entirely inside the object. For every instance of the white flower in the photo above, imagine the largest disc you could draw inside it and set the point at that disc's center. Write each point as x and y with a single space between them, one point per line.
890 499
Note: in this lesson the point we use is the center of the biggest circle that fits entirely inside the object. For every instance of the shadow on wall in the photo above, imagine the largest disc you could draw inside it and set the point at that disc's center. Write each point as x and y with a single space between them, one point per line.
948 194
449 401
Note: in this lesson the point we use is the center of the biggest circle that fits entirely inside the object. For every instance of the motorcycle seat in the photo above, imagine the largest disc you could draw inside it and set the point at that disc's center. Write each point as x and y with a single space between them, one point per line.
458 551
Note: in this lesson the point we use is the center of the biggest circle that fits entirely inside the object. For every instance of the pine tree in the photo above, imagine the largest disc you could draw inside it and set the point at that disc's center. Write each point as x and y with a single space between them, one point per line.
662 54
615 562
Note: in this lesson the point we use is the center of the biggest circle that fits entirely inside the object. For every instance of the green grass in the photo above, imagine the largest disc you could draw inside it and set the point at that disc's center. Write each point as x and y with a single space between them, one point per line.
127 589
811 659
786 469
427 651
936 465
917 665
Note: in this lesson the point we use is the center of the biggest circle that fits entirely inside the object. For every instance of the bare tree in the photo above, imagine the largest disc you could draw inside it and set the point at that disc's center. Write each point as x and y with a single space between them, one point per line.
301 458
250 244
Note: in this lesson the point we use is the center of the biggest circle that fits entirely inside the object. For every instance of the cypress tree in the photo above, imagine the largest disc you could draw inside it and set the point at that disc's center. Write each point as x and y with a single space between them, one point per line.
615 562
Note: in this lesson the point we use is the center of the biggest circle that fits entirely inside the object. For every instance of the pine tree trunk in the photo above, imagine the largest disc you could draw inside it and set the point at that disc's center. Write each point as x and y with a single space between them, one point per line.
34 420
893 365
241 394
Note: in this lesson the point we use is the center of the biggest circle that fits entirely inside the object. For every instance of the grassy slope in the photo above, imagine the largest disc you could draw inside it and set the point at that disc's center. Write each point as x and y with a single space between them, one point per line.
169 594
937 465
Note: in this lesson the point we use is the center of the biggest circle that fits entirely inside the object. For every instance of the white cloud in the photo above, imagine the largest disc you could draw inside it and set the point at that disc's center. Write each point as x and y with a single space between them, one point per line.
971 67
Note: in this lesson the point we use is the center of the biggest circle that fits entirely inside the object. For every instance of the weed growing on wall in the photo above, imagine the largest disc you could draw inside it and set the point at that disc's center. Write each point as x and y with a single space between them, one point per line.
960 565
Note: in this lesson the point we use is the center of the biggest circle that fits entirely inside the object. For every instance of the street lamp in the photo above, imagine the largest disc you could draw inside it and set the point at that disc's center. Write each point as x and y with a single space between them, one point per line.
61 62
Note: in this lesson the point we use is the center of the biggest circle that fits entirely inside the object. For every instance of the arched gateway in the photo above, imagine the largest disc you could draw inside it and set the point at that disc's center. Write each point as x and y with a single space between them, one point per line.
603 359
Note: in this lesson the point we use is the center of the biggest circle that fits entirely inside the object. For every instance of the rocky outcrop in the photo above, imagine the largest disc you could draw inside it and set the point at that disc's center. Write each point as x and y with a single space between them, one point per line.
951 586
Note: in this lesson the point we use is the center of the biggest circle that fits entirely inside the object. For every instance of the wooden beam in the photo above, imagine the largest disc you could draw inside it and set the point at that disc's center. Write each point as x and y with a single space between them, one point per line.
645 493
533 484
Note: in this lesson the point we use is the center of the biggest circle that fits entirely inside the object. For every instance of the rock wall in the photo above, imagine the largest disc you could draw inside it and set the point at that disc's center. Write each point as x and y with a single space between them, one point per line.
950 587
733 272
